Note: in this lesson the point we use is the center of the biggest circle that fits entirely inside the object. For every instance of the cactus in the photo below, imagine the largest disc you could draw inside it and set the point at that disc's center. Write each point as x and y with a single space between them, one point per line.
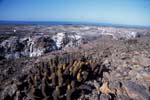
76 69
60 66
90 61
64 67
67 69
43 86
49 78
35 80
31 80
73 84
52 63
71 69
80 67
49 63
53 75
68 97
75 62
79 77
60 77
69 93
52 70
56 60
85 75
60 71
32 92
56 93
80 64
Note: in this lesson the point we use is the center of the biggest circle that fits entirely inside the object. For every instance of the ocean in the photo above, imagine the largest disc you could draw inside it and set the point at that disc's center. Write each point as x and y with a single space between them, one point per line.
68 23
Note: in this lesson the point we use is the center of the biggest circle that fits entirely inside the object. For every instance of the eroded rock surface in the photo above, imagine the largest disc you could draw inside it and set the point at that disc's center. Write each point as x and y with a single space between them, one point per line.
102 69
37 45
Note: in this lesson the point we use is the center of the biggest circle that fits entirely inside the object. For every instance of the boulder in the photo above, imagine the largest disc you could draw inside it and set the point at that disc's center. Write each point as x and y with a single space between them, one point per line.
141 60
135 91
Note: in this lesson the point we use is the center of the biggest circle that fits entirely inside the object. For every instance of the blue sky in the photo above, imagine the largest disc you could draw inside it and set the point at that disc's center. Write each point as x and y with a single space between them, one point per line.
130 12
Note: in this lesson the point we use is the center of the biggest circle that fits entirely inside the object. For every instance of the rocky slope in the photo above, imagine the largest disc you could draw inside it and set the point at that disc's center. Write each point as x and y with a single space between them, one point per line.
35 40
104 69
37 45
74 62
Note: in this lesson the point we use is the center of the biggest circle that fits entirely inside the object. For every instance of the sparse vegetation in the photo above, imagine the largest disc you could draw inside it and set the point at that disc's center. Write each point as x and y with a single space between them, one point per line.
103 68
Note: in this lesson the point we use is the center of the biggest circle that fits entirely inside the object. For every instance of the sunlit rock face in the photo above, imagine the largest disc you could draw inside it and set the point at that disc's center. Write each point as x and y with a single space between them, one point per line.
29 46
38 45
129 35
33 46
45 39
67 39
11 48
125 35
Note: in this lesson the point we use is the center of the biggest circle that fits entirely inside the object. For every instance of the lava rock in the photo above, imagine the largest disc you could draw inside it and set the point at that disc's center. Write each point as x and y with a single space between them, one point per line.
105 97
135 91
9 91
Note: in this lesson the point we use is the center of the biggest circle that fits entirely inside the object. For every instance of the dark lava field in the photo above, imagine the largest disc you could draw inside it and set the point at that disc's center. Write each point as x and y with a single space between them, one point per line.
74 62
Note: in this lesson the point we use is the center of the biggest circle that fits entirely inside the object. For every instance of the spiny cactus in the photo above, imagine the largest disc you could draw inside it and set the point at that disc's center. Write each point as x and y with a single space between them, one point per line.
79 77
35 80
49 78
66 71
74 63
60 77
31 80
43 86
76 69
53 75
32 93
73 83
90 61
64 67
57 74
59 71
81 64
52 63
71 69
56 93
59 67
85 75
68 93
56 60
52 69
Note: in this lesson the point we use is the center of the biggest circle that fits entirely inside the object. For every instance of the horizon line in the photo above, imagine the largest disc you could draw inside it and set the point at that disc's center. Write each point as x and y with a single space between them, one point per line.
60 22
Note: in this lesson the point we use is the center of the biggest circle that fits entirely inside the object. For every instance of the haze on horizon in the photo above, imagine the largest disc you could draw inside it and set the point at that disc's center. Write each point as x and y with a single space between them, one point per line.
128 12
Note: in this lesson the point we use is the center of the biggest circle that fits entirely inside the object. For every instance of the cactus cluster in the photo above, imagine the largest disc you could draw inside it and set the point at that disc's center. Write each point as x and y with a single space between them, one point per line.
60 77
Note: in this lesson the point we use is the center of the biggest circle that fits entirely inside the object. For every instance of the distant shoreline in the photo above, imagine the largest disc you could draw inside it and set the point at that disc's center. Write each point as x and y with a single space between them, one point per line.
68 23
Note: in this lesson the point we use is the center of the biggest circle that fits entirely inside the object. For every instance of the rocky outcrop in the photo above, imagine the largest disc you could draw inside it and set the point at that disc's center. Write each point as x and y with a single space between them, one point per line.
134 90
64 40
15 47
33 46
104 68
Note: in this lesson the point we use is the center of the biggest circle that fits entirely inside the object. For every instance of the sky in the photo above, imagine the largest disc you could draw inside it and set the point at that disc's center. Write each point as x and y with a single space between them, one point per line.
129 12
